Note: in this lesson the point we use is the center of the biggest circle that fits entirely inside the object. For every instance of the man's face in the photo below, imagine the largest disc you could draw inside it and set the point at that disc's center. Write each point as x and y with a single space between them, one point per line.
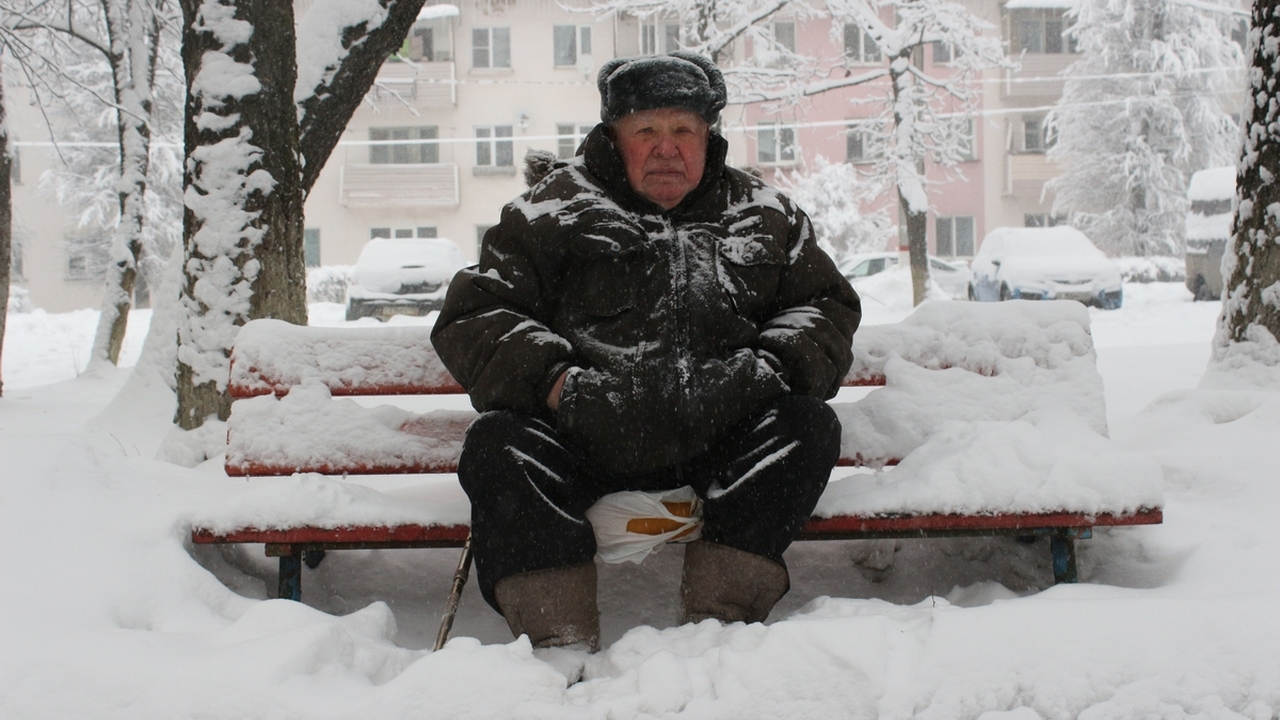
664 152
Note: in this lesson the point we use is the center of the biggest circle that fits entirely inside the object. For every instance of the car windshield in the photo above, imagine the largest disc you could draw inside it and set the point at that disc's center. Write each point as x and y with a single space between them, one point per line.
1049 244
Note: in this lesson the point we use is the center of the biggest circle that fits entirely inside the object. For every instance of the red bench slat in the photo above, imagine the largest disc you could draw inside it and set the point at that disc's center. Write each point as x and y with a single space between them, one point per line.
815 529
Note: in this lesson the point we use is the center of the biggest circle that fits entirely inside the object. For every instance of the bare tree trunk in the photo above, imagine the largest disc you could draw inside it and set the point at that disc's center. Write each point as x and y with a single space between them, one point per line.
242 226
1251 303
917 248
127 22
243 253
6 225
910 177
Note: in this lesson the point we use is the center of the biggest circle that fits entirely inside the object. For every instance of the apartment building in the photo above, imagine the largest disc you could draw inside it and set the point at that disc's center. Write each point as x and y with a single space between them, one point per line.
437 148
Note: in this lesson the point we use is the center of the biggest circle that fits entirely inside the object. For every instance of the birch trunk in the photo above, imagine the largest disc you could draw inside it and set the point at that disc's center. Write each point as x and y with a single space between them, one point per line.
133 33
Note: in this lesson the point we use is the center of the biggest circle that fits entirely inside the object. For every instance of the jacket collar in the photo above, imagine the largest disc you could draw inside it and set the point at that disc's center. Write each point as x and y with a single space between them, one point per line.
602 159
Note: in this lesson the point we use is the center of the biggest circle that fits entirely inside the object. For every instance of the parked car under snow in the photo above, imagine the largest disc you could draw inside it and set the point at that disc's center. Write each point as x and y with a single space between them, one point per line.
1053 263
402 276
952 277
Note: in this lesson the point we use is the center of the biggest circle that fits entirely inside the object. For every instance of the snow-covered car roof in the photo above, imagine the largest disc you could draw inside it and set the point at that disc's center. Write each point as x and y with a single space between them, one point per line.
1059 240
387 263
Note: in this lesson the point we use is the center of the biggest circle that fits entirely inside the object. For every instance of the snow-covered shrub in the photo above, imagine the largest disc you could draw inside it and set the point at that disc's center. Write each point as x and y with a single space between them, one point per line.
833 195
20 300
328 283
1152 268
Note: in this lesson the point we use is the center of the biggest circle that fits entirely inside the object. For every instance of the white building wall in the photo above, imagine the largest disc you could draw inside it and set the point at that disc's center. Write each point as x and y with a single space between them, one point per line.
532 96
40 225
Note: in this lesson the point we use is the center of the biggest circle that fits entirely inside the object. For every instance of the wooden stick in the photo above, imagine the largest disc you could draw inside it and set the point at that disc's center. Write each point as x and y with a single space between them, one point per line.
455 594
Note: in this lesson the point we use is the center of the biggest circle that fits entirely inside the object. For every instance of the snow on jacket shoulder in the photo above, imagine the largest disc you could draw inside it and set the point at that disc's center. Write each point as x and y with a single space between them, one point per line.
679 324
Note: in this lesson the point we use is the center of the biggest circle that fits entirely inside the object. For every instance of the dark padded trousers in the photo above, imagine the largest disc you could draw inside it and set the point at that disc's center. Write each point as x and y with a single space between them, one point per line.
530 490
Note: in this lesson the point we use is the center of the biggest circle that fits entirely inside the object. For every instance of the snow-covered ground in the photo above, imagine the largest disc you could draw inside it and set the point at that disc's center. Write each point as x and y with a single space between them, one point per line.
108 612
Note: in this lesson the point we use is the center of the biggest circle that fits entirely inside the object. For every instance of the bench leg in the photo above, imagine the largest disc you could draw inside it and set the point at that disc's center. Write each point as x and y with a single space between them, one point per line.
1063 548
290 583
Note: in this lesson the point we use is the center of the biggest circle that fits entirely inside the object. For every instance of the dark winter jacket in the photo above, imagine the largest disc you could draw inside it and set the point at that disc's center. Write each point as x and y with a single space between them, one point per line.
679 324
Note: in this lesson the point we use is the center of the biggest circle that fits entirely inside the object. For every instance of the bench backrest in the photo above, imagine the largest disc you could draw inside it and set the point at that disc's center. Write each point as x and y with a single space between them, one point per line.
946 362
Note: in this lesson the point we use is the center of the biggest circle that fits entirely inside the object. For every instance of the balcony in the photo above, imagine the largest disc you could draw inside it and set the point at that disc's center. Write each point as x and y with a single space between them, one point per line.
1026 174
421 84
421 185
1026 82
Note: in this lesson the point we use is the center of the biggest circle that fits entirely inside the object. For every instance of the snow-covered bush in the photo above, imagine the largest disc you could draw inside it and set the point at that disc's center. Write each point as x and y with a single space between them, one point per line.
328 283
1152 268
833 195
20 300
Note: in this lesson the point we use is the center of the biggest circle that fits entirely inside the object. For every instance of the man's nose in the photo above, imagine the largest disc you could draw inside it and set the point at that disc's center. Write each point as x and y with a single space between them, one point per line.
665 147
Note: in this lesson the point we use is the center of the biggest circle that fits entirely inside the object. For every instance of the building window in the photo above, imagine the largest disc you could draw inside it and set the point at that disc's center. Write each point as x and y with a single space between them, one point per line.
491 47
311 247
784 35
87 257
944 52
492 150
775 144
1039 30
954 236
571 41
862 144
413 150
570 136
859 46
422 231
16 269
968 141
1036 137
659 38
1043 220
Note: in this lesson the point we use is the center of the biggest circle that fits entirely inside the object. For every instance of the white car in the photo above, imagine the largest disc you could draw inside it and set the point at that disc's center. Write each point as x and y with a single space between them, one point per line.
402 276
1053 263
952 277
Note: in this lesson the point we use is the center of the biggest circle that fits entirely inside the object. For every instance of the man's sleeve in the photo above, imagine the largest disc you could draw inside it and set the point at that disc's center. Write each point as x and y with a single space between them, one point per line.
492 333
809 333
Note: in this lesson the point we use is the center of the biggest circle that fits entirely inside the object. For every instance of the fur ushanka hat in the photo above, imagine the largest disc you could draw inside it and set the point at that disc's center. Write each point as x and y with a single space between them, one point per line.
680 79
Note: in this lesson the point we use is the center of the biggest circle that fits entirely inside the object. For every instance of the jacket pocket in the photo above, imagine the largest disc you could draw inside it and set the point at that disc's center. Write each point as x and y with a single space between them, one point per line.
749 269
601 281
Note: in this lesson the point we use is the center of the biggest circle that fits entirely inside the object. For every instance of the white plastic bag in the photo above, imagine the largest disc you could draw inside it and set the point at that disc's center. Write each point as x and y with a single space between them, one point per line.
630 525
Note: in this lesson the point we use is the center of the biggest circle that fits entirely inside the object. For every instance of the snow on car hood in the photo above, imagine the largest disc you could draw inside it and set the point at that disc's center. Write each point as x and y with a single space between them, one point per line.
387 265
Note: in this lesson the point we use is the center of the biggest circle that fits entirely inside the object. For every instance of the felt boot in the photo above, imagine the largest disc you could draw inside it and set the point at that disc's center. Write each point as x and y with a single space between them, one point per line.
555 607
728 584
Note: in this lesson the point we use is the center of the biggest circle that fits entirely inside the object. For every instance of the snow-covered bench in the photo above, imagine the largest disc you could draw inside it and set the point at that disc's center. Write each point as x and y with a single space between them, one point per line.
988 419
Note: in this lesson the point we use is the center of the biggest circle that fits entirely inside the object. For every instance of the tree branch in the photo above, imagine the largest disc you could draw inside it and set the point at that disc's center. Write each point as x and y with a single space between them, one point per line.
326 110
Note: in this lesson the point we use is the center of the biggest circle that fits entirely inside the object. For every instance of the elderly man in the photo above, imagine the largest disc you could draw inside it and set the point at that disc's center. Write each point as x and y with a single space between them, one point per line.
645 318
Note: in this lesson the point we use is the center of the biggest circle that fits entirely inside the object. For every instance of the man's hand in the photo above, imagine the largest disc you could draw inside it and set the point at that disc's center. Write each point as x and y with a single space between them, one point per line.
553 398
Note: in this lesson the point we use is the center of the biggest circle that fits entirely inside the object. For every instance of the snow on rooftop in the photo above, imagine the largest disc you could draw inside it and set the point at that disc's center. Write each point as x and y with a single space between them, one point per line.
1213 184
